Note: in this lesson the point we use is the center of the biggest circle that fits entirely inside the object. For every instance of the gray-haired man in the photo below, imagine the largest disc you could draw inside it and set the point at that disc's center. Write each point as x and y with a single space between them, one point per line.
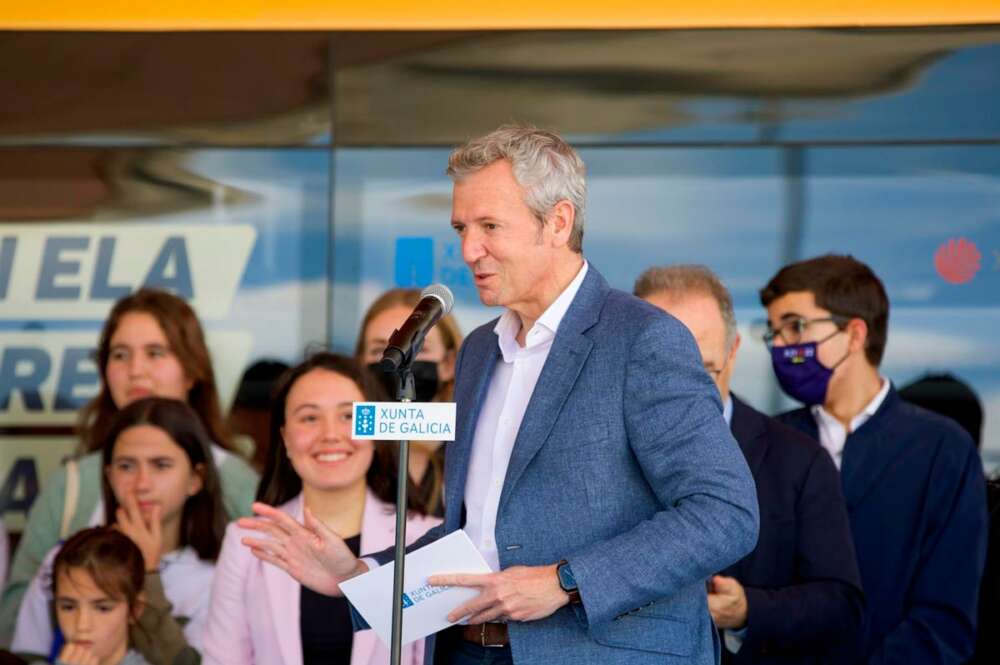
592 467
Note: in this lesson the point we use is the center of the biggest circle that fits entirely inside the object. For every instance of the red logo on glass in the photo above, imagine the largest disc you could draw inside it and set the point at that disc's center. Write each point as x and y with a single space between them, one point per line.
957 261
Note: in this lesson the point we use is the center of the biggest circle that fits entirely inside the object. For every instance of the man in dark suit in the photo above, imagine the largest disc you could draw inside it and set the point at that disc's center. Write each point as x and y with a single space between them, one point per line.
911 478
797 597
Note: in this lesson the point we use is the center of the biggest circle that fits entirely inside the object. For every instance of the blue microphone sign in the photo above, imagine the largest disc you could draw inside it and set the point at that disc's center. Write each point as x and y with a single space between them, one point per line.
410 421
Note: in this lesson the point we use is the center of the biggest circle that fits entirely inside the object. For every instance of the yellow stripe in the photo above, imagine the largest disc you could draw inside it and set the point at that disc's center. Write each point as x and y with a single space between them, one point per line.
506 14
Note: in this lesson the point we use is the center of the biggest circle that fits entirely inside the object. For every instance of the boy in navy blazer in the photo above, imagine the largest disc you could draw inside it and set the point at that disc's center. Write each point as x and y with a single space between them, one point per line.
797 597
912 479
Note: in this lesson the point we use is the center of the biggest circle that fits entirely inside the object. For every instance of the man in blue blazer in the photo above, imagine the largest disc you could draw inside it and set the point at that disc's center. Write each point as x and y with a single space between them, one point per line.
912 479
592 466
797 597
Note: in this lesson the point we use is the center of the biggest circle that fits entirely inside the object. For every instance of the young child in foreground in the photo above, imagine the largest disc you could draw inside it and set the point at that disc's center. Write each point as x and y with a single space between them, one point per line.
97 584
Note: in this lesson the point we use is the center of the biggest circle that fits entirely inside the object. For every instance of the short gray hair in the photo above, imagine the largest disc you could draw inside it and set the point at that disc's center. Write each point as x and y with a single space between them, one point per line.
544 164
682 280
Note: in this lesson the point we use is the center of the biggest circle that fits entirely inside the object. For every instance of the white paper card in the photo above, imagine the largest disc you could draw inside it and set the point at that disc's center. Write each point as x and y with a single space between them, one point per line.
425 608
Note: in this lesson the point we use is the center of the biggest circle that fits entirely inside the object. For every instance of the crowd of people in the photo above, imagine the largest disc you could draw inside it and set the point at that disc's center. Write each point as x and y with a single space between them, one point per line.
156 469
632 507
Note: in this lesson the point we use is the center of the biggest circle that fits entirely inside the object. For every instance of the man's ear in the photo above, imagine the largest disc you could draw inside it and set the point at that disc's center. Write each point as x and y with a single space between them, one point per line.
736 347
561 219
857 332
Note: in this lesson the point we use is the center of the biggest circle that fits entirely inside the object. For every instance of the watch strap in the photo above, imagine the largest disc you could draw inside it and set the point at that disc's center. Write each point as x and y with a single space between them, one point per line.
573 592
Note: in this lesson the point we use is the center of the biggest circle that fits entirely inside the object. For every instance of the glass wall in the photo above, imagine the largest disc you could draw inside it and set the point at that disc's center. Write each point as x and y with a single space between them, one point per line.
742 150
281 181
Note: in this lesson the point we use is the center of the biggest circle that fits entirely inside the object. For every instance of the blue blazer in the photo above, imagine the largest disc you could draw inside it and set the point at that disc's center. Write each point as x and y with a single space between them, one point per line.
624 466
803 587
917 503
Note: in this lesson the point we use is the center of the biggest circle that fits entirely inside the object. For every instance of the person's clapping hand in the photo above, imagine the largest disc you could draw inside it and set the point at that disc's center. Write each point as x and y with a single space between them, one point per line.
310 552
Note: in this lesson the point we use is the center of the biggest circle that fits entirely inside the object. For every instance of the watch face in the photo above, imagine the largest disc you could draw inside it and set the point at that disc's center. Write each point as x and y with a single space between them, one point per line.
566 579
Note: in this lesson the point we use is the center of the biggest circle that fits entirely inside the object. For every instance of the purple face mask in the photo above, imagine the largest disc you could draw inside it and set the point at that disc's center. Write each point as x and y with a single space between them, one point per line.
800 373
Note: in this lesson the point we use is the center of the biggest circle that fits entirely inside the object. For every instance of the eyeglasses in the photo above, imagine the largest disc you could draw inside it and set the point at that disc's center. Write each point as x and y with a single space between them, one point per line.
791 331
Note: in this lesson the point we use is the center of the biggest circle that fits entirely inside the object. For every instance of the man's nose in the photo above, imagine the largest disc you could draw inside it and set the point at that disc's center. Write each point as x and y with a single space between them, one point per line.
473 248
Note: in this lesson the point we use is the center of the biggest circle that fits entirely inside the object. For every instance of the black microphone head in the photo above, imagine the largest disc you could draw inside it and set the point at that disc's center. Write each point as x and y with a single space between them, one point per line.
392 358
442 293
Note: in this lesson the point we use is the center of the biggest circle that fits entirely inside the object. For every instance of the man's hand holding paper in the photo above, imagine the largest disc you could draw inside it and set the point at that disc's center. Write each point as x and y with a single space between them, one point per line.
427 607
518 593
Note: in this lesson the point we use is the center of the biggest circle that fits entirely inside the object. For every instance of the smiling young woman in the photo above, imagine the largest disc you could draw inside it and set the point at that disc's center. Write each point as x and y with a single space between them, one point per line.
258 614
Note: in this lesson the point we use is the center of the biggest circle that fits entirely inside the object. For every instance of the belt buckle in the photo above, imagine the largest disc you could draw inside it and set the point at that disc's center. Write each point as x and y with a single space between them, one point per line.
483 640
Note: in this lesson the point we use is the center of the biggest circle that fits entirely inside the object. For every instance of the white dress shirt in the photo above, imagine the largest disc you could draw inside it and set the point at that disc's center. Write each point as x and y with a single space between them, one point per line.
507 397
511 386
833 434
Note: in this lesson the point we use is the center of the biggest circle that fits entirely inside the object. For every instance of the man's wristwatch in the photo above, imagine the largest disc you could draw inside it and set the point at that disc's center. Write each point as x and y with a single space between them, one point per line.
567 582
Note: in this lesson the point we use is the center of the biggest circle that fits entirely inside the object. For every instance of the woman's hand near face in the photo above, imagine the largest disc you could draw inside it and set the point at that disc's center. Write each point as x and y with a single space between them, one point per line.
146 534
76 654
311 553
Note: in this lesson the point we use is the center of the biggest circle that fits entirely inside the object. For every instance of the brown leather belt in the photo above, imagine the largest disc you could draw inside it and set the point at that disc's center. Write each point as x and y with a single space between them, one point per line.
486 634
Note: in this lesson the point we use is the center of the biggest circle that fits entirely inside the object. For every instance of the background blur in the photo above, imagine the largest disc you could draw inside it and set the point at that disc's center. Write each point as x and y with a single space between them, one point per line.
281 181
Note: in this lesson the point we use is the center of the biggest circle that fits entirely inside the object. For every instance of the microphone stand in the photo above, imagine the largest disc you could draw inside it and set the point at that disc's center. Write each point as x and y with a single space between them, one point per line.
405 392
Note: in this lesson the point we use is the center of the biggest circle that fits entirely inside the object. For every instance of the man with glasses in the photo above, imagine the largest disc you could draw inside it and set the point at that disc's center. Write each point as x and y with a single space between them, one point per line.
912 479
797 597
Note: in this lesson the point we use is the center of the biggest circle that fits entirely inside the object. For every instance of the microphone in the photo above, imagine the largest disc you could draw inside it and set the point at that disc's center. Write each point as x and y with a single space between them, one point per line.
435 302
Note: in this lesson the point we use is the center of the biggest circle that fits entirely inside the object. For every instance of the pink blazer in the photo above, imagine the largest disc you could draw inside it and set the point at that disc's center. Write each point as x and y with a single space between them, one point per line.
253 616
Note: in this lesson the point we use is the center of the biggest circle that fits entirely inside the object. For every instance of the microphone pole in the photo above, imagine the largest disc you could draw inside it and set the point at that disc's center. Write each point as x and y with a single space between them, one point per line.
404 345
405 392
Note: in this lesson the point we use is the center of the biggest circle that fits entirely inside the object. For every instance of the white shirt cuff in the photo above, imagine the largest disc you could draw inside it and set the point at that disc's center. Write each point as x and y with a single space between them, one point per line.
734 639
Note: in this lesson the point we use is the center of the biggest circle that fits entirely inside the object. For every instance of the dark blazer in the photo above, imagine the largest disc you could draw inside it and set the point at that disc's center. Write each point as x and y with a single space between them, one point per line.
988 641
917 503
804 599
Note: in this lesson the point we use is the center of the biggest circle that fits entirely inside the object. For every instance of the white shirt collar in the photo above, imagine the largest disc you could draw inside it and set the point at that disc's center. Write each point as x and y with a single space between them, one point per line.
832 433
545 327
727 410
820 413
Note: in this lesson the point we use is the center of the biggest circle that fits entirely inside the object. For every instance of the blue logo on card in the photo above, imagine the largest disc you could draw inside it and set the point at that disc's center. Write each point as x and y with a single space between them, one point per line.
364 420
422 593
